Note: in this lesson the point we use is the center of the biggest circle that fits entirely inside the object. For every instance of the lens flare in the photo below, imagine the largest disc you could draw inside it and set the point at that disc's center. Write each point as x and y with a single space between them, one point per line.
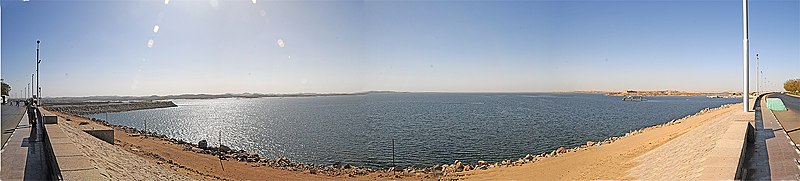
150 43
155 29
166 2
281 43
254 1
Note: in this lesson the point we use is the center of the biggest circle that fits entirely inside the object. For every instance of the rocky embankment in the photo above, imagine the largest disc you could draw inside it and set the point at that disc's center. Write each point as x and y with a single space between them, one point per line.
83 109
338 169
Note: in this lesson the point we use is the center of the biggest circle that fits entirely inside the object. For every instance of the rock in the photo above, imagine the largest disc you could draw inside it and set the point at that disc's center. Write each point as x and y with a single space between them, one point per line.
202 144
561 150
590 143
224 148
252 155
529 157
467 168
457 165
481 162
252 159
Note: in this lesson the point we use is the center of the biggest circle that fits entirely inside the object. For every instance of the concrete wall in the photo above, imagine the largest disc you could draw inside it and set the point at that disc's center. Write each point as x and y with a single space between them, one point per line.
106 135
49 118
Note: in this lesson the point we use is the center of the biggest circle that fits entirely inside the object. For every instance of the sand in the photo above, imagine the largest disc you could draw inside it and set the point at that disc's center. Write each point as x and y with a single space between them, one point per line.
653 154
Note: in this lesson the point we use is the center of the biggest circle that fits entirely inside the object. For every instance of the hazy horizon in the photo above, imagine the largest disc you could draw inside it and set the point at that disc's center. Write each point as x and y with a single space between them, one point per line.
142 48
293 93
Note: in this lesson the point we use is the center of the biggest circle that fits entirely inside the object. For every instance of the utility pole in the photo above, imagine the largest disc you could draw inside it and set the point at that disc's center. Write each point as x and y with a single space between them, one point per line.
745 61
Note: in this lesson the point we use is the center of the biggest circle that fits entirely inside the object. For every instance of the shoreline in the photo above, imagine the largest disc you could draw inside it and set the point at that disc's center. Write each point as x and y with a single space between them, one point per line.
350 171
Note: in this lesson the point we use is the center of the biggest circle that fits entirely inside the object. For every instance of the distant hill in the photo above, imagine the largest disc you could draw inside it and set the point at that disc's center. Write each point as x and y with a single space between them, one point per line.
59 100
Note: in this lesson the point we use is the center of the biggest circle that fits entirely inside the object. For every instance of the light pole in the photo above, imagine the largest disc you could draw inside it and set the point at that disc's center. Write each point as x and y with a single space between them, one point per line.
758 75
38 88
32 93
745 61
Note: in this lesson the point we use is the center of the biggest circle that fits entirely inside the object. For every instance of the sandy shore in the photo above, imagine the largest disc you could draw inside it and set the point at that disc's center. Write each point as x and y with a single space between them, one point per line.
136 157
672 151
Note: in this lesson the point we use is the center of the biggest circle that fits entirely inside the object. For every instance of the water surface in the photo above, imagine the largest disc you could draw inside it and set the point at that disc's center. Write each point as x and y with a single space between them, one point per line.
427 128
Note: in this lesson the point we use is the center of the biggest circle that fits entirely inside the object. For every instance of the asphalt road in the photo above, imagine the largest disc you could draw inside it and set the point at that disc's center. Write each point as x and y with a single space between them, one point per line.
790 119
11 117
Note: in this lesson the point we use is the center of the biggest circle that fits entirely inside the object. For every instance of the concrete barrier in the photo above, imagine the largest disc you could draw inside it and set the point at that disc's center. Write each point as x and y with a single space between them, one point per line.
48 117
72 163
726 161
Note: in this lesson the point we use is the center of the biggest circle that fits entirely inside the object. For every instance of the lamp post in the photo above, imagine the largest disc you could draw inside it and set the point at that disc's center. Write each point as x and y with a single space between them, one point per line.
758 75
32 93
38 87
745 59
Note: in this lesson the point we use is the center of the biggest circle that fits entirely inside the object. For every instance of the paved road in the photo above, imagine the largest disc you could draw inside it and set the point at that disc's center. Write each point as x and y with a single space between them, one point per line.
11 117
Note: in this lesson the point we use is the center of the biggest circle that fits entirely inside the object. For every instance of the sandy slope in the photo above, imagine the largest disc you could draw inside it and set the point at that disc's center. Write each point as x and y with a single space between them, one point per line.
654 153
680 159
115 163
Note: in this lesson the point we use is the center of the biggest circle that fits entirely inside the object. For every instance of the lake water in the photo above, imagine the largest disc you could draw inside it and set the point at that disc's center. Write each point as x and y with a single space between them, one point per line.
427 128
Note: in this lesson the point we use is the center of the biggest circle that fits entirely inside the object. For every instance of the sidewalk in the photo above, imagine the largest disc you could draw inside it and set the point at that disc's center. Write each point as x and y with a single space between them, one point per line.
773 155
23 158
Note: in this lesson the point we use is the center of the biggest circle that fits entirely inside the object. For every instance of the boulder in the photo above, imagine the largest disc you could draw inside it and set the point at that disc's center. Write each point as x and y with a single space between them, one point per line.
590 143
561 150
457 165
202 144
529 157
224 148
481 162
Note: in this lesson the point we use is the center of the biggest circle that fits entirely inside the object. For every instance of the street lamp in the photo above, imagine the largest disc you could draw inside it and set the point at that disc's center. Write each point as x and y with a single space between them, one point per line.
32 93
38 87
745 61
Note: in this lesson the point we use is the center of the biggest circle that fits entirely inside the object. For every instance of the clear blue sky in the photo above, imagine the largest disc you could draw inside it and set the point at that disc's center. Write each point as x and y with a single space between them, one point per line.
101 48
